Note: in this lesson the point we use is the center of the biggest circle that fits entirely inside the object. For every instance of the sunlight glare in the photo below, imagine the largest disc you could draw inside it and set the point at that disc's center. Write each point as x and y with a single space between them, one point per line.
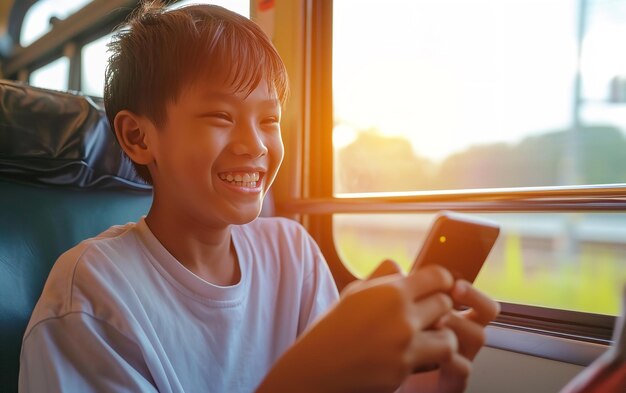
451 74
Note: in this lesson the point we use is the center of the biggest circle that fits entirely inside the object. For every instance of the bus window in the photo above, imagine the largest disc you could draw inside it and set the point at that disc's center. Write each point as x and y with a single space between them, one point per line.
93 63
569 261
53 75
455 96
464 96
37 19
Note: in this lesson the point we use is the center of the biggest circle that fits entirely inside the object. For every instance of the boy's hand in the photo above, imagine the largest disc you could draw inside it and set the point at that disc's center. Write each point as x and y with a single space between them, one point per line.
374 337
468 326
394 335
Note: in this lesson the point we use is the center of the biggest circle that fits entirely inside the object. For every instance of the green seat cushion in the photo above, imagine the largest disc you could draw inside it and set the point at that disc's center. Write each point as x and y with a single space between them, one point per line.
37 224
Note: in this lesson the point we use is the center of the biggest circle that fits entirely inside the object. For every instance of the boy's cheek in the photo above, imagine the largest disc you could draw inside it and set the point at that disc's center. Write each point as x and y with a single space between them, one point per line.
275 146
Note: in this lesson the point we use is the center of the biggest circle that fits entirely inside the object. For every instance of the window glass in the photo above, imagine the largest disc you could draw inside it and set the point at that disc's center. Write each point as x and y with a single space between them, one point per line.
573 261
241 7
37 19
53 75
453 94
93 65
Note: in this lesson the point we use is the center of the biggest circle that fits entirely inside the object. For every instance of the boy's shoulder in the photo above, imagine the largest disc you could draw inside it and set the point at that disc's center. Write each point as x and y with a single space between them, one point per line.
83 268
115 240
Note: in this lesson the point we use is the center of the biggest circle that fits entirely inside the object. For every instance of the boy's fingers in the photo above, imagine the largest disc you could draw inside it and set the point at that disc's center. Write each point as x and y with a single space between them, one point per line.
454 374
385 268
427 311
484 309
370 282
431 347
470 334
428 280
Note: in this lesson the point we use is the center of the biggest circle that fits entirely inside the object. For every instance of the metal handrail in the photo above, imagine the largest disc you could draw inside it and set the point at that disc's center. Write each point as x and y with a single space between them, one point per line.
608 197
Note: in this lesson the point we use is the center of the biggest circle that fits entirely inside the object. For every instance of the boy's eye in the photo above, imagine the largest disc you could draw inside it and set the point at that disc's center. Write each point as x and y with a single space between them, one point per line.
270 120
218 116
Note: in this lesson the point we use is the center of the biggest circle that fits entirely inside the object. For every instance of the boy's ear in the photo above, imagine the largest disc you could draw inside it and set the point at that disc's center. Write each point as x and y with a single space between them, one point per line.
132 134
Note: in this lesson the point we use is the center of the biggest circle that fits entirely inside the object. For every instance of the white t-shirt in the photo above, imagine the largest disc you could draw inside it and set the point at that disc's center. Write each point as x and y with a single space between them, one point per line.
119 313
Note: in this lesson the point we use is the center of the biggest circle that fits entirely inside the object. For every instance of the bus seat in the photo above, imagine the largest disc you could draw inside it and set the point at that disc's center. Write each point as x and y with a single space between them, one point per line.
62 179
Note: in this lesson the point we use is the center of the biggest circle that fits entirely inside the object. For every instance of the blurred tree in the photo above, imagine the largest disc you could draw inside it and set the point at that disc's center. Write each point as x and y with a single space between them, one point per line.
378 163
374 163
604 155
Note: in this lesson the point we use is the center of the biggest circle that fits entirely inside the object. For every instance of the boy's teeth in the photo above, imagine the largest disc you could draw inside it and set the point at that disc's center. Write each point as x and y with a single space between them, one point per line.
244 179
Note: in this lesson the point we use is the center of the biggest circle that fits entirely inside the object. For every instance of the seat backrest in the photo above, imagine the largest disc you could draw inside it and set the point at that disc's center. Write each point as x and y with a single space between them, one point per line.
37 224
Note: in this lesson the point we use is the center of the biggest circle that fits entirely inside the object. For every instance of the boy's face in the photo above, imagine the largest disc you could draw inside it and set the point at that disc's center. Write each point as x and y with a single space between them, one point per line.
217 153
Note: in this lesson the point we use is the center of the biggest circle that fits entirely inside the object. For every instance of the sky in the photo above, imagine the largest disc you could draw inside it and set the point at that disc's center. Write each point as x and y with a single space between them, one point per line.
447 74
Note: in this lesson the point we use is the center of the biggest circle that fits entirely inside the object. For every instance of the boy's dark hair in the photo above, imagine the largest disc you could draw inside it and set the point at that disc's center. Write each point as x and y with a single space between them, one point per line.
160 52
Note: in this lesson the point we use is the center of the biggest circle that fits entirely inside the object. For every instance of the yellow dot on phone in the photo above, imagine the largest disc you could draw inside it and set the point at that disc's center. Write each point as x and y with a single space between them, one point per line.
442 239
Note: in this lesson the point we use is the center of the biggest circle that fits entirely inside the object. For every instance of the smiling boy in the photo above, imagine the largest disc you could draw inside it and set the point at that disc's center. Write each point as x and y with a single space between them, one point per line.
201 295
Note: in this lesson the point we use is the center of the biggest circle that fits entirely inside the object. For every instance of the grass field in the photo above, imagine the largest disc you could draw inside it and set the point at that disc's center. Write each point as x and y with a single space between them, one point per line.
590 279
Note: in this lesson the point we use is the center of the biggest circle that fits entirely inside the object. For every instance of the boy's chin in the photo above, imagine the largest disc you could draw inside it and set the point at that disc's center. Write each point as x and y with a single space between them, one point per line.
244 217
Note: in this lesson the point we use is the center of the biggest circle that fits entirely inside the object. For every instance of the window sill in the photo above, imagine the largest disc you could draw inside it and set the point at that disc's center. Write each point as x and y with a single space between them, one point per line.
566 350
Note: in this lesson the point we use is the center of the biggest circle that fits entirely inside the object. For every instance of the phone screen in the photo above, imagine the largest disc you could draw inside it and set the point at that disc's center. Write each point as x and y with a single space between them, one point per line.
458 242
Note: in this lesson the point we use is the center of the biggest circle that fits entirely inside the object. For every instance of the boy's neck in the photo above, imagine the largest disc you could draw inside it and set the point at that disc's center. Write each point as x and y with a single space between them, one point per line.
207 252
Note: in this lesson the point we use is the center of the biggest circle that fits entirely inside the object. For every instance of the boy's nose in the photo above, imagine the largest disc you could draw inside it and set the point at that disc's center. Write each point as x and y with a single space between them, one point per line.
250 143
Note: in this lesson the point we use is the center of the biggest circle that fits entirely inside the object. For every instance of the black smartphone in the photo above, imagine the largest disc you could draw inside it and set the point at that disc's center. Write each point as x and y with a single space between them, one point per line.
458 242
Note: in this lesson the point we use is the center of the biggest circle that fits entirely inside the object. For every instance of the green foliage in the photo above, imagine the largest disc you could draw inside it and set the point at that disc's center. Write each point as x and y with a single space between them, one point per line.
374 162
589 281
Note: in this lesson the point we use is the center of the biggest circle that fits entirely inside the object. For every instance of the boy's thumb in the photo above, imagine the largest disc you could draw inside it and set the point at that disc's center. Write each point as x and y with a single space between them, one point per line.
386 267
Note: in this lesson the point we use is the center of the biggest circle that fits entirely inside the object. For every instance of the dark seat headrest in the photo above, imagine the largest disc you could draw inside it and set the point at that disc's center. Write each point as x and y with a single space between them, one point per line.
56 138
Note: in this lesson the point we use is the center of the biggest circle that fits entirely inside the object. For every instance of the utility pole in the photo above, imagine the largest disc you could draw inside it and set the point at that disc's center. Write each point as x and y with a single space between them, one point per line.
572 167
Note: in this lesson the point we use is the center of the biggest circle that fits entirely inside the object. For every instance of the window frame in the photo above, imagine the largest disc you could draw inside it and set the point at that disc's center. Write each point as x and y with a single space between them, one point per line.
67 37
315 203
